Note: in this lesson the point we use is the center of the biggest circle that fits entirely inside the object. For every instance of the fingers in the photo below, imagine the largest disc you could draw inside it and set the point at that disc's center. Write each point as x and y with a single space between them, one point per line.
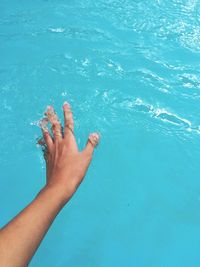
56 126
68 116
93 141
46 140
69 127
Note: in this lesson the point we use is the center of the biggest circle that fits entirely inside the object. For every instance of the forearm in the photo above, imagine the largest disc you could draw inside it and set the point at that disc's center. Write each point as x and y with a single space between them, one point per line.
66 168
20 238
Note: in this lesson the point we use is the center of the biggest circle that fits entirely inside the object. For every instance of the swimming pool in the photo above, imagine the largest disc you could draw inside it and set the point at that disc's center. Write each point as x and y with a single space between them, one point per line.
130 70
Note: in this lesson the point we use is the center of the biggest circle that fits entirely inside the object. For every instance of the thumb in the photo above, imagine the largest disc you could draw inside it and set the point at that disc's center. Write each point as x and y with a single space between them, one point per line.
92 142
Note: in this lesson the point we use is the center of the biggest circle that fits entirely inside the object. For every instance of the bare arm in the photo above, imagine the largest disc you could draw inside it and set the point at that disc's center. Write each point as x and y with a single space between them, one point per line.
66 168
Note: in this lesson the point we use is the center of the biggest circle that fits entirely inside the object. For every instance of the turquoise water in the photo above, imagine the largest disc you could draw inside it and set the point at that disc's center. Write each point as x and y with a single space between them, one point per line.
130 70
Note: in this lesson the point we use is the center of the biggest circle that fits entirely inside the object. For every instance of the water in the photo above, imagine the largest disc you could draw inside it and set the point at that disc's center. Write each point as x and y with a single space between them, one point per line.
130 70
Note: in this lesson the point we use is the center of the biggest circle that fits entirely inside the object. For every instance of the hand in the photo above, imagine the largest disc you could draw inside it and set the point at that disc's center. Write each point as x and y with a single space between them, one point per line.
66 166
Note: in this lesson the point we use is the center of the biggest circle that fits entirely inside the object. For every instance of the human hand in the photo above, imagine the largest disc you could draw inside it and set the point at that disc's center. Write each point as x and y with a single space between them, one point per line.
66 166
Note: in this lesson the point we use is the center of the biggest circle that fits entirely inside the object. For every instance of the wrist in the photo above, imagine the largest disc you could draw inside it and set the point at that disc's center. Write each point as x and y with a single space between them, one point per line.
56 194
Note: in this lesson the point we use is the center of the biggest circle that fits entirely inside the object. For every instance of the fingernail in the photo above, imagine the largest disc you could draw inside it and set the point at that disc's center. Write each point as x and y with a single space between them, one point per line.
96 135
66 104
49 108
94 139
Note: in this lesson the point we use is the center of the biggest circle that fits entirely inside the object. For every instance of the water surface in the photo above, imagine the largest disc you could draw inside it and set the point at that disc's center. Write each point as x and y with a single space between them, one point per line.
130 70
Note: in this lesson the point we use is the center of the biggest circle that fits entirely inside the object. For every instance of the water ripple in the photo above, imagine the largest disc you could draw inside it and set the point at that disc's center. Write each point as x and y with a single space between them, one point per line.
135 62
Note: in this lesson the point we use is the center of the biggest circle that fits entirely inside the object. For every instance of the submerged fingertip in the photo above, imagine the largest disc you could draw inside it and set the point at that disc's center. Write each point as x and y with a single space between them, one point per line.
43 122
45 132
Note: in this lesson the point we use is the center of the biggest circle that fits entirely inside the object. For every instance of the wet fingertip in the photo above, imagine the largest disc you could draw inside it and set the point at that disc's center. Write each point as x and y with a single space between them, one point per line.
43 125
94 138
45 131
66 105
96 135
49 109
43 121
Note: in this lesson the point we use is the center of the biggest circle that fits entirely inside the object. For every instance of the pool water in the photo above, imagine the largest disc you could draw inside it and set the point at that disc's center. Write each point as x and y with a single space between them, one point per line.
130 70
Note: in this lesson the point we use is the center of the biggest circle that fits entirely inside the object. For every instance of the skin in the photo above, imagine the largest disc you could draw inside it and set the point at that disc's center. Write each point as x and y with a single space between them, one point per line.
66 167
